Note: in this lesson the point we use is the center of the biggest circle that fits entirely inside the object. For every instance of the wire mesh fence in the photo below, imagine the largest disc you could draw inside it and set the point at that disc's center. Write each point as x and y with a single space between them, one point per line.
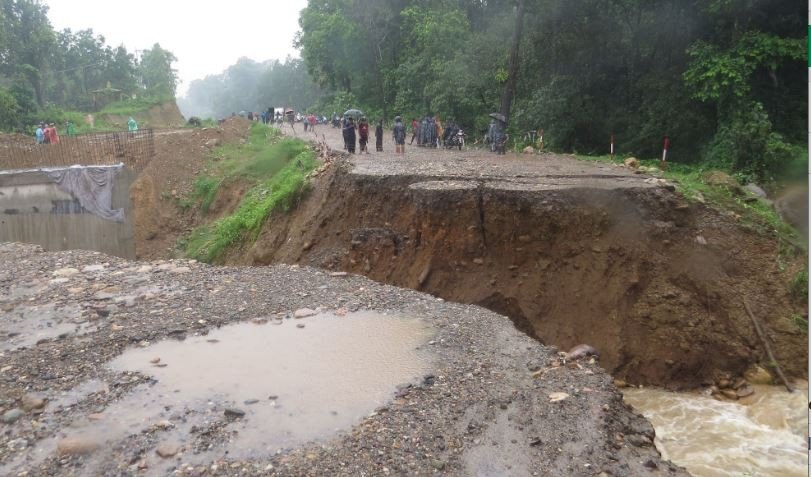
134 149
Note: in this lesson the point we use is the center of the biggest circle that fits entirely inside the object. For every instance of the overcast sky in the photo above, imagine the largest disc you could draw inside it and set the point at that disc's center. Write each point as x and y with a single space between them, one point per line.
205 37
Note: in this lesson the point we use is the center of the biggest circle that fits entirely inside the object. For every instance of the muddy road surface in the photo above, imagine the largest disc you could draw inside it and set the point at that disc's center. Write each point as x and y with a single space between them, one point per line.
89 387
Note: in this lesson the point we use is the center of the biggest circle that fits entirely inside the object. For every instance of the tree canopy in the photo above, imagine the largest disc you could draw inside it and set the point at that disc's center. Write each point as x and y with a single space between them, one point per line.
42 69
724 79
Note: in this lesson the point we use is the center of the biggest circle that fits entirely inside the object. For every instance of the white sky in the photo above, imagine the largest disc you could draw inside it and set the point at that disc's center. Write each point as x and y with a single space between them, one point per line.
205 37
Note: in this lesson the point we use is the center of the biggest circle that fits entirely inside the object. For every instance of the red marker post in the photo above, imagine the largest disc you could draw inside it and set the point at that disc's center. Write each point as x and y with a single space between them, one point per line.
665 147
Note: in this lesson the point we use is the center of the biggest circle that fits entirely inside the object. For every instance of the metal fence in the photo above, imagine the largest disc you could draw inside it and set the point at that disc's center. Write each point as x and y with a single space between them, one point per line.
134 149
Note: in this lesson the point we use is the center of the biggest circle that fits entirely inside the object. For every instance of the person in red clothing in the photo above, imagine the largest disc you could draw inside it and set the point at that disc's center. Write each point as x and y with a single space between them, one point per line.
414 126
54 135
311 119
363 134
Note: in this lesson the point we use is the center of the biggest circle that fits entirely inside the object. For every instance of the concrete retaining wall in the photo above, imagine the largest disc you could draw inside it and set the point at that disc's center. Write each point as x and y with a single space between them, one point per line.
34 210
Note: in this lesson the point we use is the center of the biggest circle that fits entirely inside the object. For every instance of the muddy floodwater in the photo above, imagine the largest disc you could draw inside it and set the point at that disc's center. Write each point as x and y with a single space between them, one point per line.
293 383
763 435
275 385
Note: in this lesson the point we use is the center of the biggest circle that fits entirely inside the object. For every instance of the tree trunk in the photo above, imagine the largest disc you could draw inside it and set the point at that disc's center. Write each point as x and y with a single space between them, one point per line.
512 76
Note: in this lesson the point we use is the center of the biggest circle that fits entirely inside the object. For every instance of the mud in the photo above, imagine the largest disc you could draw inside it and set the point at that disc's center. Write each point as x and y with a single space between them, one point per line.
573 252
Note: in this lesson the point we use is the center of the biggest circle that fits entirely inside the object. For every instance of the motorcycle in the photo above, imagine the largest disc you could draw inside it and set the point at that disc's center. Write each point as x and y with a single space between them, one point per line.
456 139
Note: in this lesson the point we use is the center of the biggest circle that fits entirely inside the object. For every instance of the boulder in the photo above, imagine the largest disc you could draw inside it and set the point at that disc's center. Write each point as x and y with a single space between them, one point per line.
632 162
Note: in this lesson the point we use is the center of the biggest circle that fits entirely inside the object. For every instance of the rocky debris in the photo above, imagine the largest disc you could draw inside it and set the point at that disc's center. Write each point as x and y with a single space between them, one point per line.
476 372
11 416
77 446
581 351
234 412
167 450
31 402
631 162
758 375
304 313
529 150
722 179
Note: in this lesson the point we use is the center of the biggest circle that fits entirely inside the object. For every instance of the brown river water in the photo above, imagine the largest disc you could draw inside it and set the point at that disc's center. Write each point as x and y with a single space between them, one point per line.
761 436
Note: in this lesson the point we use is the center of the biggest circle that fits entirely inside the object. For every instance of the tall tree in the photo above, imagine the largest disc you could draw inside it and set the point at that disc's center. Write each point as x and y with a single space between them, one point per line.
512 74
157 75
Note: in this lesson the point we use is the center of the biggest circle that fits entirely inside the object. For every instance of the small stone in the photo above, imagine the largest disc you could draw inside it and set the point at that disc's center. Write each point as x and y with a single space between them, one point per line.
65 272
234 412
338 274
251 401
745 391
164 424
438 464
620 383
17 444
723 383
304 313
93 268
155 360
730 394
76 446
478 261
167 450
555 397
96 416
32 401
300 325
10 417
259 321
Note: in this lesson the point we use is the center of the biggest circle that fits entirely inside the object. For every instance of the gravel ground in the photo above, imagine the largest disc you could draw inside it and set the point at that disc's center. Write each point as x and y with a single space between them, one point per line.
480 412
531 171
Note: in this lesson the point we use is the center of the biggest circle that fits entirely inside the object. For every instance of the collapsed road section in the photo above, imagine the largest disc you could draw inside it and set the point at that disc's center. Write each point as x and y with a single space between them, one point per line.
103 397
573 252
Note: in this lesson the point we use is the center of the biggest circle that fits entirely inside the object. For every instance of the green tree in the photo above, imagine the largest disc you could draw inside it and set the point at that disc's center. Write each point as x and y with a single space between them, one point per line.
158 78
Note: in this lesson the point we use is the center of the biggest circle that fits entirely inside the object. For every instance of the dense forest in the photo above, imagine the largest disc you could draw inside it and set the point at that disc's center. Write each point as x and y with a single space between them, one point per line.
43 71
725 80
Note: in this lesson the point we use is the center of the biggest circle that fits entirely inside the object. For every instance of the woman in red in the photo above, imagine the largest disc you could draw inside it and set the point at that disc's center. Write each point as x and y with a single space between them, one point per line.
363 134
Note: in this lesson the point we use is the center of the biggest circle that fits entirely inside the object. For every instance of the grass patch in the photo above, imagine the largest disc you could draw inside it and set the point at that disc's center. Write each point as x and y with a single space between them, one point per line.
278 167
129 107
801 323
204 189
689 180
799 286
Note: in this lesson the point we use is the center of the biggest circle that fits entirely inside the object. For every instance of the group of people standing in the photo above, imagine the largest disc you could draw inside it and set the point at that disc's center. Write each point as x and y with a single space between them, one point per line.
360 132
47 134
426 131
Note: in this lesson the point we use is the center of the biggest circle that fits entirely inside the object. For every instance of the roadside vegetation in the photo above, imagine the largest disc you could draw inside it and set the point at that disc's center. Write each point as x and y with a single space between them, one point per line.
276 168
702 183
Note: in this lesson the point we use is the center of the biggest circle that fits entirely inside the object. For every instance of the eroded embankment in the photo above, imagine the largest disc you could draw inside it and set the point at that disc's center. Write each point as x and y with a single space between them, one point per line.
656 284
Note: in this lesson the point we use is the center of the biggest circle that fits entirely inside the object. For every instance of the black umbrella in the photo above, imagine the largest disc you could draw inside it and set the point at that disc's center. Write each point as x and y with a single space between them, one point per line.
353 113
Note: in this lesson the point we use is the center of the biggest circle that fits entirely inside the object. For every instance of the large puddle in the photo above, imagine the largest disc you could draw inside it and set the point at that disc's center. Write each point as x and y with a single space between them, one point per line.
763 435
295 380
